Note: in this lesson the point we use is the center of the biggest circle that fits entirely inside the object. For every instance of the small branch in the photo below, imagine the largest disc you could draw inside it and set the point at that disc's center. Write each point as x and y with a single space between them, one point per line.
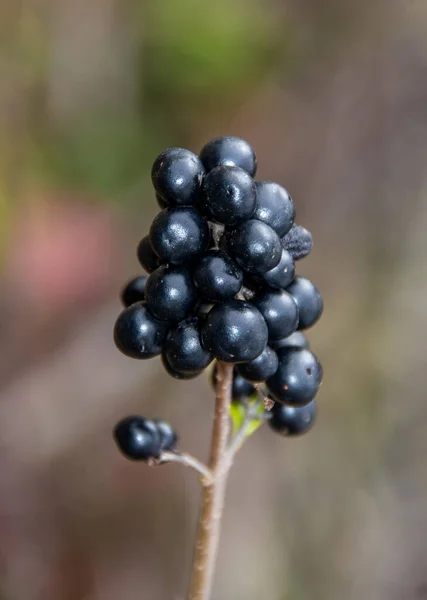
207 537
187 460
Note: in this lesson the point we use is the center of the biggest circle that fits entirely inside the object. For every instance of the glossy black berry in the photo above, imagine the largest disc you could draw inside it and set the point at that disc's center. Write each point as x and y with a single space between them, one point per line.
308 299
234 331
297 378
134 291
217 277
177 374
168 436
261 368
137 333
298 242
228 196
170 293
137 438
183 349
293 420
280 312
295 340
281 275
230 151
274 207
162 203
178 235
146 255
177 175
255 246
241 388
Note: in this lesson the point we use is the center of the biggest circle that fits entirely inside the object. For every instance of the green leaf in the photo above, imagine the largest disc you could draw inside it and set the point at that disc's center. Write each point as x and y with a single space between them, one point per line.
238 415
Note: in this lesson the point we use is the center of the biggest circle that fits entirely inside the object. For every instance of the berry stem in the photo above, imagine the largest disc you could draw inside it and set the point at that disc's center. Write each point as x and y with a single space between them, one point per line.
187 460
213 493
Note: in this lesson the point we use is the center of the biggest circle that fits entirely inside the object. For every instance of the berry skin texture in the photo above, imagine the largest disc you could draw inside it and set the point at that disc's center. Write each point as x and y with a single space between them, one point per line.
177 175
281 275
146 255
137 438
297 378
170 293
241 388
177 235
137 333
168 436
298 242
228 196
275 207
280 312
229 151
293 420
308 299
295 340
177 374
217 277
255 246
234 332
134 291
261 368
183 349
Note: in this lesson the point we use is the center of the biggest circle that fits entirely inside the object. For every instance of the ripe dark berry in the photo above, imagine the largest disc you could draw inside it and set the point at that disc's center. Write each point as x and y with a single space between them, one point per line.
177 235
137 333
241 388
255 246
168 436
177 175
297 378
298 242
295 340
234 331
146 255
217 277
230 151
170 293
183 349
293 420
280 312
274 207
261 368
162 203
281 275
177 374
137 438
228 196
308 299
134 291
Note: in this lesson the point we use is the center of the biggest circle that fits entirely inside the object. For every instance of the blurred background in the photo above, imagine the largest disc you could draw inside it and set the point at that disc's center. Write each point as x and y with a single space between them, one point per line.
333 96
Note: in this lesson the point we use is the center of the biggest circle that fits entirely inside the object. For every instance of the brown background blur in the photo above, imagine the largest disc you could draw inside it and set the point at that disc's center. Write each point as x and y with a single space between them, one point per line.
333 96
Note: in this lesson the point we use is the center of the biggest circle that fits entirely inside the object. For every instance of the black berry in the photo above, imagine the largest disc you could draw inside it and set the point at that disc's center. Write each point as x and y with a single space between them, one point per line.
298 242
177 175
168 436
293 420
281 275
280 312
137 438
217 277
234 331
146 255
183 349
255 246
137 333
295 340
170 293
308 299
178 235
178 374
274 207
161 202
230 151
297 378
261 368
134 291
228 196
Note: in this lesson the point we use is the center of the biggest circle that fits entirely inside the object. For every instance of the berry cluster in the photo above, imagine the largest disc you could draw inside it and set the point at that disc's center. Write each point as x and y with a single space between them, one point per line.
141 439
221 261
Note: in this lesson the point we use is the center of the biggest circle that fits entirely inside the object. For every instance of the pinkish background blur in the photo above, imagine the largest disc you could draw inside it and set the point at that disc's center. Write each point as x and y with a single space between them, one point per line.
333 96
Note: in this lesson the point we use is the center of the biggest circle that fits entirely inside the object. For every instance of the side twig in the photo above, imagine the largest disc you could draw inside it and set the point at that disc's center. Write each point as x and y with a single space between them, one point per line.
187 460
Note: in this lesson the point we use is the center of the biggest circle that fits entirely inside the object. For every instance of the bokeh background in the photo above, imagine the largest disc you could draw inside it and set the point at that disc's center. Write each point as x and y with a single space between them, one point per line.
333 96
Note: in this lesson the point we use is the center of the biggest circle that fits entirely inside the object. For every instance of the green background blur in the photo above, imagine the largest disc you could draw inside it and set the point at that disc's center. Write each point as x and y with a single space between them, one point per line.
332 94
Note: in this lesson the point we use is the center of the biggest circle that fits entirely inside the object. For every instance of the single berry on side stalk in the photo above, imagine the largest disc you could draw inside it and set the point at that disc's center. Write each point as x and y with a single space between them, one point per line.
280 312
134 291
177 175
170 293
308 299
168 436
297 378
274 207
234 331
261 368
229 151
255 246
183 349
217 277
137 333
178 235
281 275
298 242
146 255
137 438
293 420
